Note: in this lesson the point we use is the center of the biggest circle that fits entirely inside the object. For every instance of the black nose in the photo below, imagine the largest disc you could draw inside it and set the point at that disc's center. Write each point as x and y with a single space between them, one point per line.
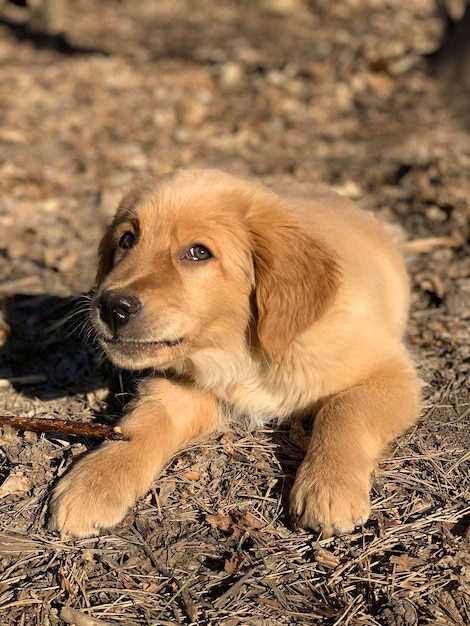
116 308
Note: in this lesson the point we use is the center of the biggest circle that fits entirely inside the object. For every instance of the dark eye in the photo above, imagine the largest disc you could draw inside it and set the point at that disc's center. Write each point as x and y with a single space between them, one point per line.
127 241
197 253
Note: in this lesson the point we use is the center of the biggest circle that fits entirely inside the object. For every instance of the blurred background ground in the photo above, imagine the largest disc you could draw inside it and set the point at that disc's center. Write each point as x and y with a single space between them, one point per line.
334 92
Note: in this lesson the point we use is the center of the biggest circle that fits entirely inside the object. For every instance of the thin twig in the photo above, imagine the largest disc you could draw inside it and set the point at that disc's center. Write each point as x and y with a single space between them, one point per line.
178 593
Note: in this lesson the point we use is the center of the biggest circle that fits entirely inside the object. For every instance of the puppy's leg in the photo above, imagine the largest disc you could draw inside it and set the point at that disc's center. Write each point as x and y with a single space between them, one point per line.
351 431
99 489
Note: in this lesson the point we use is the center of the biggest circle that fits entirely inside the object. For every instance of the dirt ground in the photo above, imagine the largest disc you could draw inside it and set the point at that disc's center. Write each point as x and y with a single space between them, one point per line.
331 92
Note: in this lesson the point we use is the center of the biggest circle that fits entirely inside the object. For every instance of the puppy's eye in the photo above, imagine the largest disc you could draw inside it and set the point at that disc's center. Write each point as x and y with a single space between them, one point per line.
127 240
197 253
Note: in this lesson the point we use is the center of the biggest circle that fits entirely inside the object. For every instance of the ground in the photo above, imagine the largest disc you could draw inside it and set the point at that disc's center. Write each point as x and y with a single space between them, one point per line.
334 92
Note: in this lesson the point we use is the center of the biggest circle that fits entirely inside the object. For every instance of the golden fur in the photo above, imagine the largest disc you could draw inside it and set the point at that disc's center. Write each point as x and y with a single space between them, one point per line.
300 309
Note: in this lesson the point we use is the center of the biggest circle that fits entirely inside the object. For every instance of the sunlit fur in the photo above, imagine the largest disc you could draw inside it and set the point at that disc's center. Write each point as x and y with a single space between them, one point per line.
303 304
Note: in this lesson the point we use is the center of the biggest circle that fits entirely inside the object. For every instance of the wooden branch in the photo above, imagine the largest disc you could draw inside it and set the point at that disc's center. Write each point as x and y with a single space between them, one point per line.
67 427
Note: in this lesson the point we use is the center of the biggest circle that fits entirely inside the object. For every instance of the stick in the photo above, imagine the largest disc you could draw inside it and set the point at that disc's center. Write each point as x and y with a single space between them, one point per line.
427 244
77 618
68 427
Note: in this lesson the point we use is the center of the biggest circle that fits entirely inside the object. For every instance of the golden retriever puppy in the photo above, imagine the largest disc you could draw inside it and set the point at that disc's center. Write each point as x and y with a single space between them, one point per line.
246 303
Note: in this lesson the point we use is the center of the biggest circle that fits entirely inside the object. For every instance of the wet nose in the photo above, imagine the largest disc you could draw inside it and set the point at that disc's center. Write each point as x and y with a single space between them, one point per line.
116 308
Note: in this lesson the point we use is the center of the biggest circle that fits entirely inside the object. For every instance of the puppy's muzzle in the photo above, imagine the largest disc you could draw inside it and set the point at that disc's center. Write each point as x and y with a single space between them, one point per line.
117 308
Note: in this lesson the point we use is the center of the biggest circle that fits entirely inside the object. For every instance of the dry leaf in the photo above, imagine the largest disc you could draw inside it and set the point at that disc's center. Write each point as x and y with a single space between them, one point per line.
193 475
405 562
298 435
236 455
390 523
15 484
227 439
234 564
66 584
150 587
250 521
220 521
327 558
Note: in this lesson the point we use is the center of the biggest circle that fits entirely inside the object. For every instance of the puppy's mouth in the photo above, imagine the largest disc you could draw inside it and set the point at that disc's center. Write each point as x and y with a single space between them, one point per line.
141 343
134 354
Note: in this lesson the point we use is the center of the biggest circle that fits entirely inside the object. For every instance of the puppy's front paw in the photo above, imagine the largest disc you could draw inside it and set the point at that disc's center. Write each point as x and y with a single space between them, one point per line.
328 501
96 493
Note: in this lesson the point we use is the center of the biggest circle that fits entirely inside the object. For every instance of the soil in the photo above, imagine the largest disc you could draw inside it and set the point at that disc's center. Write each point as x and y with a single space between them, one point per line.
339 93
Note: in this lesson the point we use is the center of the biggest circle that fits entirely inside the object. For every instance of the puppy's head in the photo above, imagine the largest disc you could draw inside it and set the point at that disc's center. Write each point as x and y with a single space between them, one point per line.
192 258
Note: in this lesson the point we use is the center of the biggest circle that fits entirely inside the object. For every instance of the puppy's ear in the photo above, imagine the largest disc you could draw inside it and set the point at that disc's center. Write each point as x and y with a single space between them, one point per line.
105 255
296 277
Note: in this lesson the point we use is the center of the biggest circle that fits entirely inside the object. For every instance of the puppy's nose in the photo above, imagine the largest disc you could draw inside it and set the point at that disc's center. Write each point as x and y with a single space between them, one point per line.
116 308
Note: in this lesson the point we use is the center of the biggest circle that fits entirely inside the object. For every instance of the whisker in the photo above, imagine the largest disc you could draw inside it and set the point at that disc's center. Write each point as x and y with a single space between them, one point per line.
79 322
